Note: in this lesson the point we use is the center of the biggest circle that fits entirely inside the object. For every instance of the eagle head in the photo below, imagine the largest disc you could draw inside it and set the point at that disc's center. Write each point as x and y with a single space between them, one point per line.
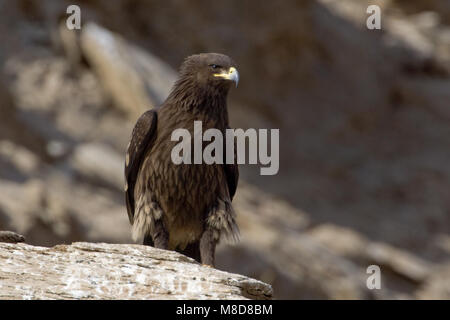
210 70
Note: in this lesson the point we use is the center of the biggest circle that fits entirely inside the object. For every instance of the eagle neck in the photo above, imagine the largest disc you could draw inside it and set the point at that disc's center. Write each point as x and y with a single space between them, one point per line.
203 103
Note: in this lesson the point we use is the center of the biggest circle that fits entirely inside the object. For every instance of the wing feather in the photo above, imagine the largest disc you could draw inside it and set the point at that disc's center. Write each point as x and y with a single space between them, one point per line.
142 139
232 173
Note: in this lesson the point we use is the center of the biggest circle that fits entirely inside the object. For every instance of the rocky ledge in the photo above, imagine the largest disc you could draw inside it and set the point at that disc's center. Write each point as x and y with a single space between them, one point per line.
115 271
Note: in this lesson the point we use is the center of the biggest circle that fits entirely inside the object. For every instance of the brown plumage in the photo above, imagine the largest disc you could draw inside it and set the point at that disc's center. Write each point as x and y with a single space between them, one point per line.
185 207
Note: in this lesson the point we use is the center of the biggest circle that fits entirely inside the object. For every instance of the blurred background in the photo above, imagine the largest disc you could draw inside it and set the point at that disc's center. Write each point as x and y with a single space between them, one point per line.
364 119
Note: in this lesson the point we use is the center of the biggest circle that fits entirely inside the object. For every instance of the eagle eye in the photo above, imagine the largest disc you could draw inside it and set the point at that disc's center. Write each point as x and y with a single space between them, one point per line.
215 66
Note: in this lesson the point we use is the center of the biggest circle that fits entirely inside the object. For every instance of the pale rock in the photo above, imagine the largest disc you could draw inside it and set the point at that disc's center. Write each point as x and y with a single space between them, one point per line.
342 241
437 286
22 158
399 261
136 80
99 161
113 271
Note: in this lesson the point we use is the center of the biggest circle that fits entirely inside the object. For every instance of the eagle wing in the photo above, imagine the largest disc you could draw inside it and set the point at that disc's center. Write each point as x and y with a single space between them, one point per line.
142 139
232 173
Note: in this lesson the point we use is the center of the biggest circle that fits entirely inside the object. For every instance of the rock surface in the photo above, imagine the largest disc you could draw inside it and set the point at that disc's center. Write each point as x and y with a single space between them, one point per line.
136 80
115 271
11 237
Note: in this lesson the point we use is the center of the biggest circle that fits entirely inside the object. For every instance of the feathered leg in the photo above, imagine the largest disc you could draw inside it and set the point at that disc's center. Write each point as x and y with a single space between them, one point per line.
159 235
148 224
208 243
220 221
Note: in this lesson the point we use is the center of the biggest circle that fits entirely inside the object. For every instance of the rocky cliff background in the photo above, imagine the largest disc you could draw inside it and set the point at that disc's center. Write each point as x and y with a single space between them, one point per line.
364 119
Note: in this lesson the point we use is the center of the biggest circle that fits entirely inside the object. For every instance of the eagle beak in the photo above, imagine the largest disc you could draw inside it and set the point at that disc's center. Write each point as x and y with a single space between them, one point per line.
232 75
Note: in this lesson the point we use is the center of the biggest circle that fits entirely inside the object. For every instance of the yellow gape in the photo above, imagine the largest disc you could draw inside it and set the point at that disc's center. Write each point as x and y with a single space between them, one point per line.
232 75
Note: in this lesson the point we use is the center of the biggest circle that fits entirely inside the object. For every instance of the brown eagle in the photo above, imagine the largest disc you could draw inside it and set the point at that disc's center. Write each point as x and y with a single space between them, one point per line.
183 207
